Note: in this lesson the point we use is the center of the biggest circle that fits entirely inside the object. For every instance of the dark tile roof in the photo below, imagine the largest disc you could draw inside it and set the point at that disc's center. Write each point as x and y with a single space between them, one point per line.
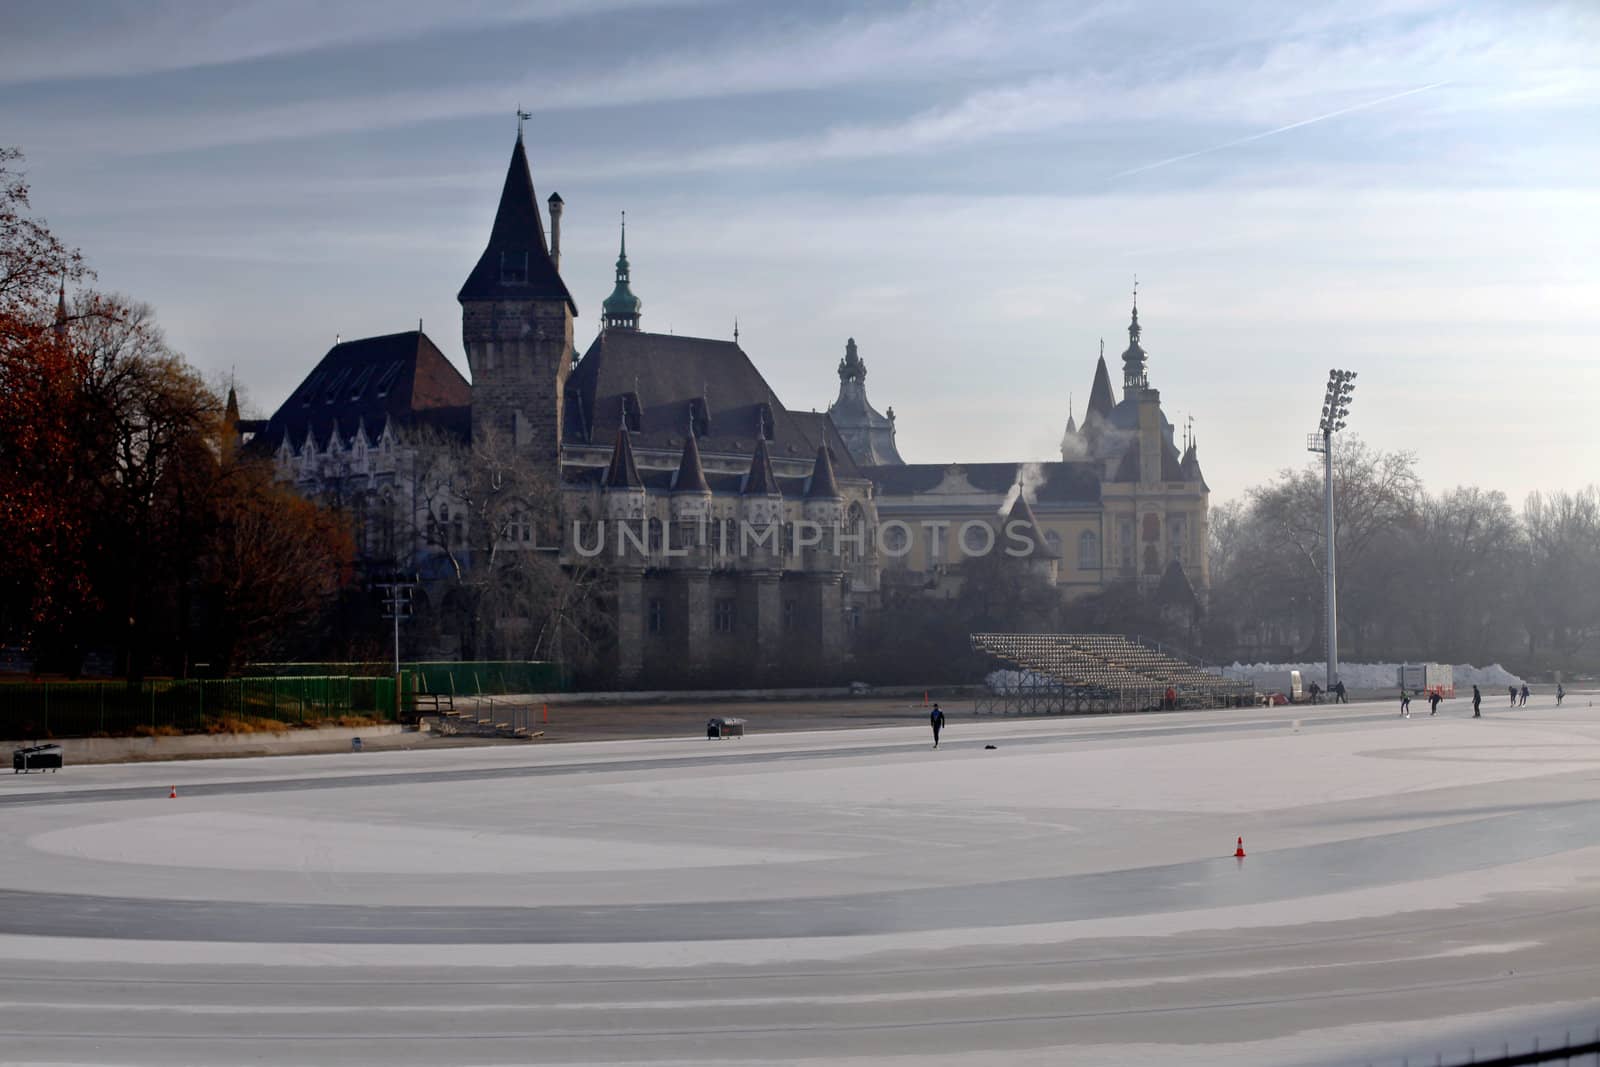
518 233
820 428
1129 469
398 375
665 375
1063 483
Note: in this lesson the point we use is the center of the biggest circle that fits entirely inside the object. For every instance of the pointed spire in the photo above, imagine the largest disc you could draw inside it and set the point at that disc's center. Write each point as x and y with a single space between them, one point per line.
691 476
61 307
230 412
516 264
761 481
623 472
823 486
1072 421
1101 400
1023 514
621 309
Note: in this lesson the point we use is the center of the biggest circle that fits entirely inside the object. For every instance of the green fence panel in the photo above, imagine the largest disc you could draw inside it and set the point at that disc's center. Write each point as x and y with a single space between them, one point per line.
32 710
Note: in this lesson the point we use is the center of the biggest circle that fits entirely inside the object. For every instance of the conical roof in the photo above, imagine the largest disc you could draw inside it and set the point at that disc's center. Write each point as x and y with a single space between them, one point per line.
1101 400
1021 513
823 486
761 481
1191 467
516 265
691 475
230 413
623 472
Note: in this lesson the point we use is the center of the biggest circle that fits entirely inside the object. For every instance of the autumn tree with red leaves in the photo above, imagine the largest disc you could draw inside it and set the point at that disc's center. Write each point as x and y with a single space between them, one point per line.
131 520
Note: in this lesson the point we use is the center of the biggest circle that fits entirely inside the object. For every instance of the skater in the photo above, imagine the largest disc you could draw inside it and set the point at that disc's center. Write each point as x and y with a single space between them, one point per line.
1524 702
1405 703
1433 702
1513 691
936 720
1477 699
1561 694
1316 693
1338 692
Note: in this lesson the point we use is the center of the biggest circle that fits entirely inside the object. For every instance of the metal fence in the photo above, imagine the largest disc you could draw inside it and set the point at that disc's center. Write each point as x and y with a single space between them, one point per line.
467 678
78 709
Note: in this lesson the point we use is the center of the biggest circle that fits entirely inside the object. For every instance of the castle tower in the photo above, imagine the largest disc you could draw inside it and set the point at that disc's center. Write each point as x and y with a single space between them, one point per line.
621 309
516 324
1134 378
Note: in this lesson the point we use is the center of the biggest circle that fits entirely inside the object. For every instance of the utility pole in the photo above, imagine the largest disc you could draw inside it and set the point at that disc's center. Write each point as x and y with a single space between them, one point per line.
1335 406
397 605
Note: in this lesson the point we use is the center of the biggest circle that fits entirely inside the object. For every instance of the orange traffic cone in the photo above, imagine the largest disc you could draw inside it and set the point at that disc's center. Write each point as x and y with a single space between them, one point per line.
174 794
1238 852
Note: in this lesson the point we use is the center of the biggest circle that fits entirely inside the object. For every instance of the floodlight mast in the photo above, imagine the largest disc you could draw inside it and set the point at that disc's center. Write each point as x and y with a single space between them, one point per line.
1335 406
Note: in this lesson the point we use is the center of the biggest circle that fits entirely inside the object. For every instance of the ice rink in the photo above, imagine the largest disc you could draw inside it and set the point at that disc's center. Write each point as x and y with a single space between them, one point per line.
1067 897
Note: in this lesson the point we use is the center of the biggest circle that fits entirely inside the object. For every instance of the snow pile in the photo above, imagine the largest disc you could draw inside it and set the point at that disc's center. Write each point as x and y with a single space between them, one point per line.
1377 675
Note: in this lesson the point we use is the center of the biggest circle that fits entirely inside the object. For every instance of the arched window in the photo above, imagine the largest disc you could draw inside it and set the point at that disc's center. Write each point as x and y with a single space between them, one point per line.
1088 551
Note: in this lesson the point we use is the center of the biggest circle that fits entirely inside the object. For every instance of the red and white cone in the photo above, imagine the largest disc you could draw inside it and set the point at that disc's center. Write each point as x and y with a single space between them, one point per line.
1238 852
174 794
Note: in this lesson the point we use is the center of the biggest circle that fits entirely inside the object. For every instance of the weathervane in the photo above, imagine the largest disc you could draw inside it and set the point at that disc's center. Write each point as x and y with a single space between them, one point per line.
522 116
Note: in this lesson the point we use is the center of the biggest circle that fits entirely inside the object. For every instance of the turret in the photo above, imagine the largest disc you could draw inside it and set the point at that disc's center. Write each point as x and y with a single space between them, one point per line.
623 488
516 324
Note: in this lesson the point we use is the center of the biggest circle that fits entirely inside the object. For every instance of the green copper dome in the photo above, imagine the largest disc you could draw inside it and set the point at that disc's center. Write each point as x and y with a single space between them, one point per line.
621 309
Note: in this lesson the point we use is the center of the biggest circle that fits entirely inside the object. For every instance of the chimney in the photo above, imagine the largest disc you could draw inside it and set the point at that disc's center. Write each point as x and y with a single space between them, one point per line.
555 230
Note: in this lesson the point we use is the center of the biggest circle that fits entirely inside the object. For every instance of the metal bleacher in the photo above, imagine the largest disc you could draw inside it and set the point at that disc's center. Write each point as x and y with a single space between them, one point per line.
1085 673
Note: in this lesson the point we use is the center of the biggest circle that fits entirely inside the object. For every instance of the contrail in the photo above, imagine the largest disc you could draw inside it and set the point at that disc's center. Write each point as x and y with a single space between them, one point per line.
1280 129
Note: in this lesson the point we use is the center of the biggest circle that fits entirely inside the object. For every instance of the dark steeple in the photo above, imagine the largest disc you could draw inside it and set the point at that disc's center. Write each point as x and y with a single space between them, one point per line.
1028 530
61 308
761 481
1133 360
230 413
868 435
823 486
516 265
691 476
623 473
621 309
1100 399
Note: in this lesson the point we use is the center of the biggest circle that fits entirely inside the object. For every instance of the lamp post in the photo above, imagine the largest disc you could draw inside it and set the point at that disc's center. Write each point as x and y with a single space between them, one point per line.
1335 406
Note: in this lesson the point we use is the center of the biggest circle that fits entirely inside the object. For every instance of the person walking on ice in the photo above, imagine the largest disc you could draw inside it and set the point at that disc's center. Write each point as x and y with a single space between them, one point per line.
1513 691
1561 694
1433 702
1405 703
936 720
1477 699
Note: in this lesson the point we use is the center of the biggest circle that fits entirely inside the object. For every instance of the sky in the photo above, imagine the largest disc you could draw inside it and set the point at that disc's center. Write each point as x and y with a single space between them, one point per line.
1403 188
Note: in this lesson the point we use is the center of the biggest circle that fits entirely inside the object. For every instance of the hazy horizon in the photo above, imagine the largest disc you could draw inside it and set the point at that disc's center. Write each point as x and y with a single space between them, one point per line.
1402 189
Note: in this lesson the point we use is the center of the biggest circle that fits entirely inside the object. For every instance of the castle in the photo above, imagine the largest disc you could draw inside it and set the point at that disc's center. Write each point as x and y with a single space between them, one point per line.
729 528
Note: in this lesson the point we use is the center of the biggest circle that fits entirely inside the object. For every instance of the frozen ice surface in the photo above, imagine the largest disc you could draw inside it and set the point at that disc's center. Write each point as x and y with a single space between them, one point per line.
855 897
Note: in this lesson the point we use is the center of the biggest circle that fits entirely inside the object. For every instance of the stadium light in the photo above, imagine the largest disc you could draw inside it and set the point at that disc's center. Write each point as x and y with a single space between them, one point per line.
1335 409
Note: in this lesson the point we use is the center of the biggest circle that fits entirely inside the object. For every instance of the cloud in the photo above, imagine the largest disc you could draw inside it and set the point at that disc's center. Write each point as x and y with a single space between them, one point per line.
49 42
